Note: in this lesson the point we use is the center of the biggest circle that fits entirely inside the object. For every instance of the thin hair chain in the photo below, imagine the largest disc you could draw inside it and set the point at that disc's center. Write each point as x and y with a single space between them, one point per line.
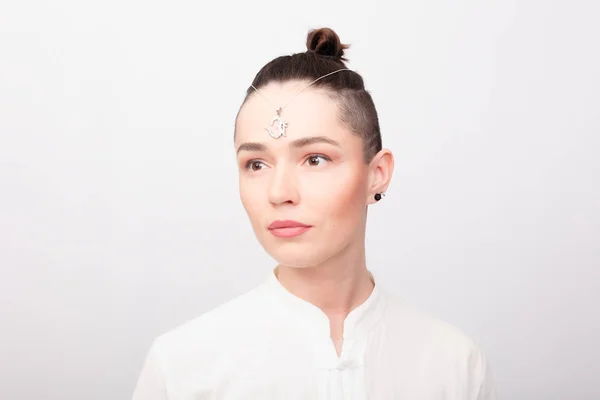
278 121
298 92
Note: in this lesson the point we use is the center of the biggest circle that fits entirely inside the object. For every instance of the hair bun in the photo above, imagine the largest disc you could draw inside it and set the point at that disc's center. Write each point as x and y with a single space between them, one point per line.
325 42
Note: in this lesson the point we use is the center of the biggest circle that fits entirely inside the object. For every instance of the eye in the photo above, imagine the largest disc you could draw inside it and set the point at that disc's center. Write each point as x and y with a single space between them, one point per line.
316 159
254 165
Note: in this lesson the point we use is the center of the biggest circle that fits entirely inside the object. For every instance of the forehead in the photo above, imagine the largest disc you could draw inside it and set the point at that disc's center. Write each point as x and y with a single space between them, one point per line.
308 113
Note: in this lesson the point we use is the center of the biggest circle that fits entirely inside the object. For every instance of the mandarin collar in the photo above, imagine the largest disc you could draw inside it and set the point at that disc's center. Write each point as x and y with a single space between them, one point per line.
315 322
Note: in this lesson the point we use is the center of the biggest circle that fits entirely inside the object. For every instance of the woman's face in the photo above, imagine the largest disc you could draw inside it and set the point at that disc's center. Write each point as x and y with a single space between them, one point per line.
305 193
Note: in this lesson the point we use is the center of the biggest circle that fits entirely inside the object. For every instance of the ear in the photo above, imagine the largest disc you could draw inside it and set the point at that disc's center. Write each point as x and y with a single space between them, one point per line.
381 169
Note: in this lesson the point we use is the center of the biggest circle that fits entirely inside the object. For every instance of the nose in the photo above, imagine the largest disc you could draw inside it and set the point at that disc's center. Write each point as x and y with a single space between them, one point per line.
283 186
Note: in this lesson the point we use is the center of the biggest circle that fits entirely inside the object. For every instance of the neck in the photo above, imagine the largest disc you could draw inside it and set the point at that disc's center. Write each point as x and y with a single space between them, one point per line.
336 286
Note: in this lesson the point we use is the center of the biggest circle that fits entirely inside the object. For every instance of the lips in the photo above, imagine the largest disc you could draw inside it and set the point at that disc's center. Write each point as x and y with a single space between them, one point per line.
287 228
279 224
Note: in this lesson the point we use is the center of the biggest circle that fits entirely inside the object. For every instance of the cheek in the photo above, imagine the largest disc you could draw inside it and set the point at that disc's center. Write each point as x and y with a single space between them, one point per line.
344 201
249 197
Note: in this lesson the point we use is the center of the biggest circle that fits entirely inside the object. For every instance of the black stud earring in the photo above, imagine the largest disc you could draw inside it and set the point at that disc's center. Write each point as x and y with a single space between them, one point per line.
379 196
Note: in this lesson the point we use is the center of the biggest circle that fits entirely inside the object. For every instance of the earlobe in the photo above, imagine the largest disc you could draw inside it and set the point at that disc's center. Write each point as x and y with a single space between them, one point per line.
382 168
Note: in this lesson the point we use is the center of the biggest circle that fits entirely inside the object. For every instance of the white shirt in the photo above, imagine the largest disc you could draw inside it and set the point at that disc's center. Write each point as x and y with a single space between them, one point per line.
270 344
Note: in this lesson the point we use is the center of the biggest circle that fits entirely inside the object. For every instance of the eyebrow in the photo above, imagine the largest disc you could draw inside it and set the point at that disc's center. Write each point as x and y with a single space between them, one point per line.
298 143
251 146
313 139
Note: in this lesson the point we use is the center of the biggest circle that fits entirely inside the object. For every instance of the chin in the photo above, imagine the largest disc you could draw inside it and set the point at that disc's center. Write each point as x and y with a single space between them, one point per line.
301 262
297 256
302 252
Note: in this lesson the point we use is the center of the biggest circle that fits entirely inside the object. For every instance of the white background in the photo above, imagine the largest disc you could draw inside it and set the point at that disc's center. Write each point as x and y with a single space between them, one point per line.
119 210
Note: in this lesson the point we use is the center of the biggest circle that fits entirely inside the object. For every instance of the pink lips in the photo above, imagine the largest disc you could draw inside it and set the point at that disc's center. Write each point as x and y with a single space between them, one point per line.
287 228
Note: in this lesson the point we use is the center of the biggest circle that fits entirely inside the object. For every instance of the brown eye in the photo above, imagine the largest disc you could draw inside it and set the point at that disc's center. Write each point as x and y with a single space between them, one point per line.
316 160
254 165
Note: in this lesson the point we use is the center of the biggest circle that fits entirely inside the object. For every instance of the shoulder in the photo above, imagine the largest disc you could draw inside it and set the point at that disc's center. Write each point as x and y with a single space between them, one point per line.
217 327
440 348
201 346
432 330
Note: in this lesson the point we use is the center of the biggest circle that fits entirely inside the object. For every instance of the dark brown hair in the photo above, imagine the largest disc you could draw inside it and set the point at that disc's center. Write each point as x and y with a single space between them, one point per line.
325 54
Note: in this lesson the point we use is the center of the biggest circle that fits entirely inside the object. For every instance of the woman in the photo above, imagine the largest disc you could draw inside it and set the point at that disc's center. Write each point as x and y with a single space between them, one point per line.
310 162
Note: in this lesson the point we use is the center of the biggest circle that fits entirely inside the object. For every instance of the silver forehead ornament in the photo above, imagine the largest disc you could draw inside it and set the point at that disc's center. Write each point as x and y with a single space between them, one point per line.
278 122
